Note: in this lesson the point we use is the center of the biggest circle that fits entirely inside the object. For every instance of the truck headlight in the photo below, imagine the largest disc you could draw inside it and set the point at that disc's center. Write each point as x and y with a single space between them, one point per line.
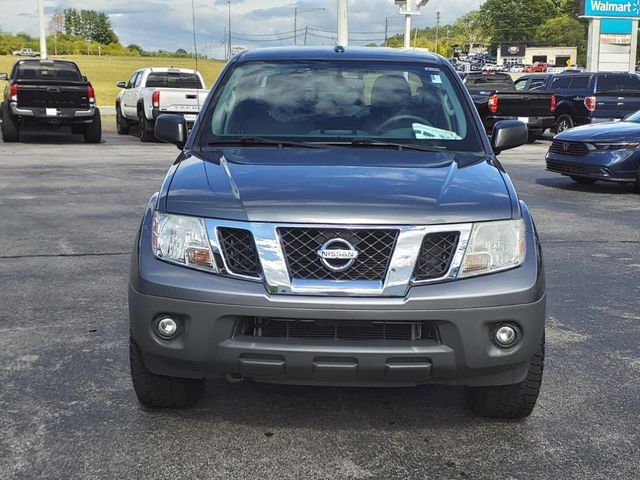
494 246
182 240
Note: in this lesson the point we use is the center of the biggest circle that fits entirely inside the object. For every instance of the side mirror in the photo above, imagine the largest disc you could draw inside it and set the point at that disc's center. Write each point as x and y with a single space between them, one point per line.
4 76
172 129
85 79
509 134
121 84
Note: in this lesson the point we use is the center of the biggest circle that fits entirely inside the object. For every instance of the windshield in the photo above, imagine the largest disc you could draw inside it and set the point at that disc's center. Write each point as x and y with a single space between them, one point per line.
173 80
342 102
47 71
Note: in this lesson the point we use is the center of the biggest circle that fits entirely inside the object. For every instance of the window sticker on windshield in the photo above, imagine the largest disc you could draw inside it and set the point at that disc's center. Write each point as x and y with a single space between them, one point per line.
436 79
427 132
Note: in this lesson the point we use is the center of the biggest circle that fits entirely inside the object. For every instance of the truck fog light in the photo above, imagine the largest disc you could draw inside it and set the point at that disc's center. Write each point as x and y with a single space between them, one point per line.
506 336
167 327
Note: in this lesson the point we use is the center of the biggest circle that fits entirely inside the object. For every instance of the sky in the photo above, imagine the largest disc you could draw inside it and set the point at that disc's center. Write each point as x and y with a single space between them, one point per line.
167 24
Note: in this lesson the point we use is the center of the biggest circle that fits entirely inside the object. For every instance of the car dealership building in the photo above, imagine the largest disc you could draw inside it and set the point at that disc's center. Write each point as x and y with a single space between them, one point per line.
519 54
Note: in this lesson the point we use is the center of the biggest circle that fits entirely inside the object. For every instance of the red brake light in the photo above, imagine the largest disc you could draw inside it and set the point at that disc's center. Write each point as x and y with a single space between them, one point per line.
494 101
91 93
13 90
155 99
554 103
590 103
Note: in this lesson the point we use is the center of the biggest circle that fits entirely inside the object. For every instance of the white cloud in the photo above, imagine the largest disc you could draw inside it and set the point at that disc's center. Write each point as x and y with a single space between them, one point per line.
167 23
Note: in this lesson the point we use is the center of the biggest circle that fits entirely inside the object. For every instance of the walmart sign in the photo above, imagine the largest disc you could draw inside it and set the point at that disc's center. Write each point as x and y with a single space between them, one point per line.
611 8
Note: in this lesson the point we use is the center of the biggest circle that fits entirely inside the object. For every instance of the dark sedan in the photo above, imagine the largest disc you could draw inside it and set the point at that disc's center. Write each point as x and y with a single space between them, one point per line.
608 152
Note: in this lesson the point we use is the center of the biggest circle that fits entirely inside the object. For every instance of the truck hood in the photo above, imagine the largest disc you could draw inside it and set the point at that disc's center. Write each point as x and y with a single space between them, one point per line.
602 132
339 186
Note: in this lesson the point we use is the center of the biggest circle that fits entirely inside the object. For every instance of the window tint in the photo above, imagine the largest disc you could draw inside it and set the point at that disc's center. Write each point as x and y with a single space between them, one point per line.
47 71
520 84
560 83
617 82
536 84
173 80
489 82
579 83
341 102
132 80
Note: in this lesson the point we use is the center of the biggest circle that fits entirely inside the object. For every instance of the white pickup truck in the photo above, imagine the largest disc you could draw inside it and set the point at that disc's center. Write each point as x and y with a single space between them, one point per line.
153 91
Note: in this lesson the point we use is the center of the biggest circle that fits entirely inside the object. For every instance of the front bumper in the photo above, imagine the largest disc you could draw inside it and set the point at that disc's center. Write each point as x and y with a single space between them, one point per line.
211 307
608 166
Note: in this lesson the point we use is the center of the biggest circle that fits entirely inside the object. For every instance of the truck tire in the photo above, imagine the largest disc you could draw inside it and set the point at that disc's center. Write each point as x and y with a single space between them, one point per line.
122 125
10 128
534 135
93 131
159 391
564 122
146 127
509 401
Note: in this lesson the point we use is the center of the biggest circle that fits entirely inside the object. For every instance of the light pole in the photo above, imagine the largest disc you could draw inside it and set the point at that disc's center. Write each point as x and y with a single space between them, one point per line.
295 20
343 23
43 33
408 12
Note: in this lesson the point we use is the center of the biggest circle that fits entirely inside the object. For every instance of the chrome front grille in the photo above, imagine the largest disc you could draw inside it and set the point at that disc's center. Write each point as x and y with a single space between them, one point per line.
301 246
436 255
300 259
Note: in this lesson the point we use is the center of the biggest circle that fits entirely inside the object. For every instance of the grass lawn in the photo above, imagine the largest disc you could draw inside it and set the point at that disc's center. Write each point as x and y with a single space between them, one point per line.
104 72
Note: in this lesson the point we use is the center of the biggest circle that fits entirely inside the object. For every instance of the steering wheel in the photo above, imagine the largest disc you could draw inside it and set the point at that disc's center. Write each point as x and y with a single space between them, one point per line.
398 118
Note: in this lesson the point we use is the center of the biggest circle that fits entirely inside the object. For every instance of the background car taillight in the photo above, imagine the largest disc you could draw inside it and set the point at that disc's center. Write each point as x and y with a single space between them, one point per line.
554 103
590 103
13 92
155 99
91 93
494 101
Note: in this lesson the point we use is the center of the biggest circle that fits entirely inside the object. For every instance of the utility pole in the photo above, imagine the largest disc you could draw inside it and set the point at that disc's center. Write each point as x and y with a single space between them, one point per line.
306 31
229 31
386 31
43 31
437 28
295 26
415 37
343 22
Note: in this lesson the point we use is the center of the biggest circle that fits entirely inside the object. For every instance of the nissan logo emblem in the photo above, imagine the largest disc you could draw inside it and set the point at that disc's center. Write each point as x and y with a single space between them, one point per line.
337 254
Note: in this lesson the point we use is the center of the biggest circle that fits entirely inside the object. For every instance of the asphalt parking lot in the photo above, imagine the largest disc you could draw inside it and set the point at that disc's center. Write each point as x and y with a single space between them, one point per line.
67 408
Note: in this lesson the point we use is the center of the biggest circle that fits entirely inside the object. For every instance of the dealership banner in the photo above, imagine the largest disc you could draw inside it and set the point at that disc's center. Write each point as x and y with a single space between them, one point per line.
610 8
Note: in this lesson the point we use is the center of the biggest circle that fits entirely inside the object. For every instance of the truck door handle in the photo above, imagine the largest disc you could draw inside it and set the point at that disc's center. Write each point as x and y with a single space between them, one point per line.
190 96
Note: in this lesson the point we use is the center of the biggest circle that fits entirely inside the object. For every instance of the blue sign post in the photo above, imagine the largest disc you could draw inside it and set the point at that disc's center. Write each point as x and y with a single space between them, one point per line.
613 33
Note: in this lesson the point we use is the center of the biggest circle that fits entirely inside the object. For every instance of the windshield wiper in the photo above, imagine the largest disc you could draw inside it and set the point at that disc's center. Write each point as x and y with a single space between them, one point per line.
368 142
258 141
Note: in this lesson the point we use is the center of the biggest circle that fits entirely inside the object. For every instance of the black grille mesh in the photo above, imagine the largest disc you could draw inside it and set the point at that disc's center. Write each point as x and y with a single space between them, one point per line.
571 168
573 149
342 329
239 250
302 244
436 255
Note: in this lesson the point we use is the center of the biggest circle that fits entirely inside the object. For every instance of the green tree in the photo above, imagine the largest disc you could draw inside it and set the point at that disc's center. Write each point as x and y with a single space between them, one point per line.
562 31
514 20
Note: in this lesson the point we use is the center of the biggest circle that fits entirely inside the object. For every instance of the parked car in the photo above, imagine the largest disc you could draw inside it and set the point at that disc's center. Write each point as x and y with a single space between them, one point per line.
518 68
49 94
537 67
311 234
584 98
608 152
25 52
153 91
496 98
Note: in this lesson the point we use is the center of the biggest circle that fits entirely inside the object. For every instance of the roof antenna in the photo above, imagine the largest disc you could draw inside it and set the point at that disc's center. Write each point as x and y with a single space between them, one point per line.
195 52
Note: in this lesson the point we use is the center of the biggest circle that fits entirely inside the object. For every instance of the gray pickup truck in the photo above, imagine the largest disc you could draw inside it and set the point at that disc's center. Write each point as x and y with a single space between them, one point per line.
337 216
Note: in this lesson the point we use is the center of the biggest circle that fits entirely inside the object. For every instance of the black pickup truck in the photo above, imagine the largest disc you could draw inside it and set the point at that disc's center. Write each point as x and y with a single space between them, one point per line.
496 99
49 94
